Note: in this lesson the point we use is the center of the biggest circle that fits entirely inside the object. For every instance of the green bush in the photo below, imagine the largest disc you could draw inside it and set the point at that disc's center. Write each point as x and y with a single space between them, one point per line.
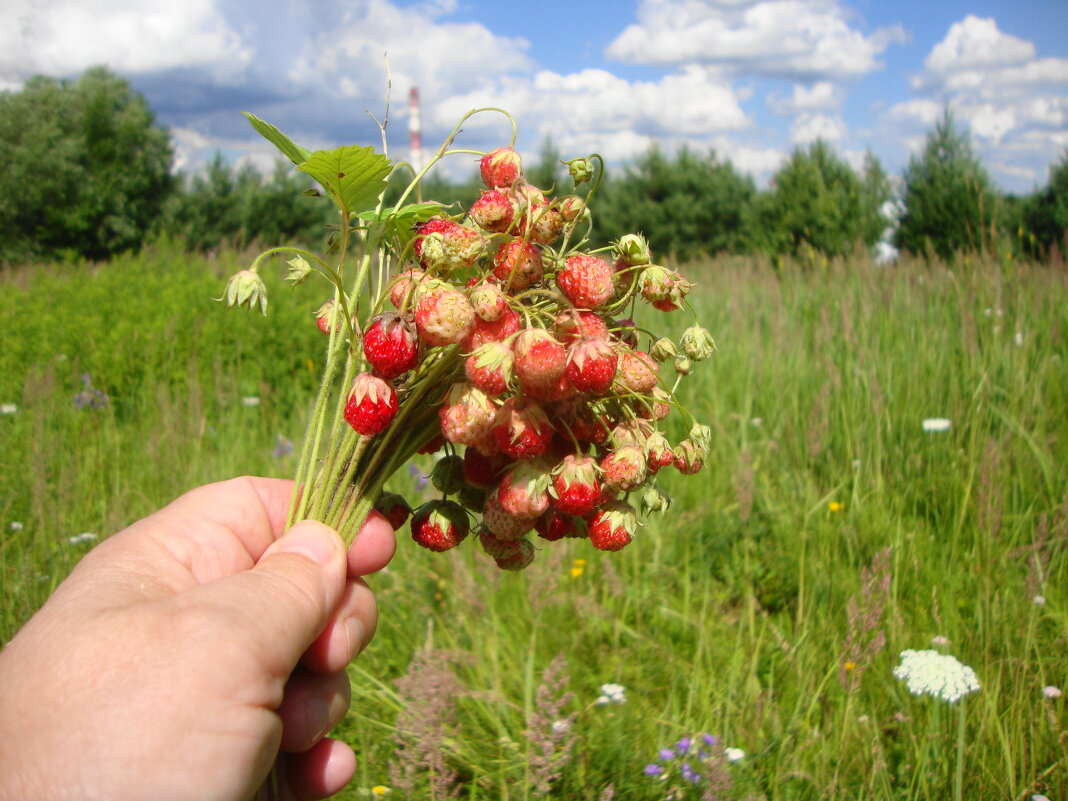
84 169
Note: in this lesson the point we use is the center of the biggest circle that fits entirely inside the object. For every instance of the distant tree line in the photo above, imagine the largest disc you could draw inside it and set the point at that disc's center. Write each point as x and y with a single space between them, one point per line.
85 172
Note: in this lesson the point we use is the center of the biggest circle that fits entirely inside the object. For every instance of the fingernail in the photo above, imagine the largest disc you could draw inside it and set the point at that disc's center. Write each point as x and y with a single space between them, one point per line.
311 541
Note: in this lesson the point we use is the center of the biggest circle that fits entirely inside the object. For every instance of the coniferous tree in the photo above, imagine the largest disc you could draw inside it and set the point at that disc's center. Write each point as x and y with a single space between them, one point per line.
948 197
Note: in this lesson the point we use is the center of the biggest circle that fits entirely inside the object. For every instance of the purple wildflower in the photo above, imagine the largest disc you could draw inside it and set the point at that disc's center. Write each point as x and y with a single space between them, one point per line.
710 739
683 746
688 773
653 769
666 754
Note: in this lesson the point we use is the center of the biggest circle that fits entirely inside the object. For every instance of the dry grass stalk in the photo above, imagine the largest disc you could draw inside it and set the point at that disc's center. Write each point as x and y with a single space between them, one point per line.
428 690
743 486
988 497
864 638
551 734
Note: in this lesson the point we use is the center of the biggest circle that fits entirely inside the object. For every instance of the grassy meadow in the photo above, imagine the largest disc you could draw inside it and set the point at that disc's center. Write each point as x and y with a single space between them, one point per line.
827 533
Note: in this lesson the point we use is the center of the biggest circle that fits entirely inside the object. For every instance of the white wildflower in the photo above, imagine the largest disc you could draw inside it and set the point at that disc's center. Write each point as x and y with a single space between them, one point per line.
8 408
85 536
734 754
1051 692
935 424
935 674
611 694
1019 339
1039 797
250 401
940 641
1039 600
561 726
15 525
756 422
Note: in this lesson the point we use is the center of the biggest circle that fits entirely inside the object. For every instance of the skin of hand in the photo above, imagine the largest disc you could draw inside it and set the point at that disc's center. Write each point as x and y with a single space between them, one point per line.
188 653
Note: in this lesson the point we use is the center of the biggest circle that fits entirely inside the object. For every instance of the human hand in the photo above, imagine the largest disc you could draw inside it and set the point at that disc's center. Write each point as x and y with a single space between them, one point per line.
183 654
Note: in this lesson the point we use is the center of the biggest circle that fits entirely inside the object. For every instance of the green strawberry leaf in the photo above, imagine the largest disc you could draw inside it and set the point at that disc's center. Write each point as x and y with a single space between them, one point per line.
353 176
398 223
289 148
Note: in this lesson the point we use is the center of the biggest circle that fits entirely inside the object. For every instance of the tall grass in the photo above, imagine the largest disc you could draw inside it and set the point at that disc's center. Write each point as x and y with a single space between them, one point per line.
764 607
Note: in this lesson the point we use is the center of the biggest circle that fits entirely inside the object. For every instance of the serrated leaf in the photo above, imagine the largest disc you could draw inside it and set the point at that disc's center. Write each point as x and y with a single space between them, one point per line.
289 148
354 176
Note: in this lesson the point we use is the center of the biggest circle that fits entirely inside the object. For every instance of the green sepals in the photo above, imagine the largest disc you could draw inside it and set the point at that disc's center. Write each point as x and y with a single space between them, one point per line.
653 500
448 475
698 343
580 170
701 436
633 250
299 270
289 148
663 349
683 365
353 176
246 288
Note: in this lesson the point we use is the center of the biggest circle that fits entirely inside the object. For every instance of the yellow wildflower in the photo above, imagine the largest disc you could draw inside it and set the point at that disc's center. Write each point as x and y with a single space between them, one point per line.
835 506
850 665
576 572
380 789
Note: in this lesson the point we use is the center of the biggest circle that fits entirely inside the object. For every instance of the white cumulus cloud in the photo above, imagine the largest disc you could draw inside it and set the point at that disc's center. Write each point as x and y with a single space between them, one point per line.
809 127
821 96
64 37
800 38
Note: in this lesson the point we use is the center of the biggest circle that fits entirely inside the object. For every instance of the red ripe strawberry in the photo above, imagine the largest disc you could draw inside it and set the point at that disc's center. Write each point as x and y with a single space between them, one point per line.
504 524
432 445
444 246
539 359
637 371
518 264
571 326
494 211
496 331
558 390
658 452
466 415
394 508
576 488
521 429
689 457
613 526
403 292
371 406
555 525
624 468
483 471
586 426
519 559
500 167
488 302
490 367
591 365
586 281
524 490
443 316
656 409
325 315
440 525
390 345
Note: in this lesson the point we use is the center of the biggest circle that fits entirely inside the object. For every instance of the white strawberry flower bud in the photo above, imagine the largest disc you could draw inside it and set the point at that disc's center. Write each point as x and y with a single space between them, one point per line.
663 349
653 500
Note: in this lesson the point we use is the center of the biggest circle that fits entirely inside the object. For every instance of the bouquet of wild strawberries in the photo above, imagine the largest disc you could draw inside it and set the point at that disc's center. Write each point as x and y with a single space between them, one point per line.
496 337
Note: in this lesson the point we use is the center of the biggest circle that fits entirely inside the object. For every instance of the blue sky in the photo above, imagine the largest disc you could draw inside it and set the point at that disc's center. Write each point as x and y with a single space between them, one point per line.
749 79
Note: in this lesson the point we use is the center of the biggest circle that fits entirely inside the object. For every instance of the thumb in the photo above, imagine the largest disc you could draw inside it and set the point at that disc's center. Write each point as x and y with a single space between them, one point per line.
286 600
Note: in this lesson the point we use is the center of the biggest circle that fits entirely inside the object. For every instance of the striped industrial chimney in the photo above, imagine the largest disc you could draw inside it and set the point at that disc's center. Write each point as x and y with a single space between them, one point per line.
415 130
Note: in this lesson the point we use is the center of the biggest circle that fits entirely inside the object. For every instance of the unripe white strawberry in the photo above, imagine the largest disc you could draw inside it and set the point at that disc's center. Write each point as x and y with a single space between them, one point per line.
443 246
488 302
494 211
467 415
519 559
443 315
504 524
